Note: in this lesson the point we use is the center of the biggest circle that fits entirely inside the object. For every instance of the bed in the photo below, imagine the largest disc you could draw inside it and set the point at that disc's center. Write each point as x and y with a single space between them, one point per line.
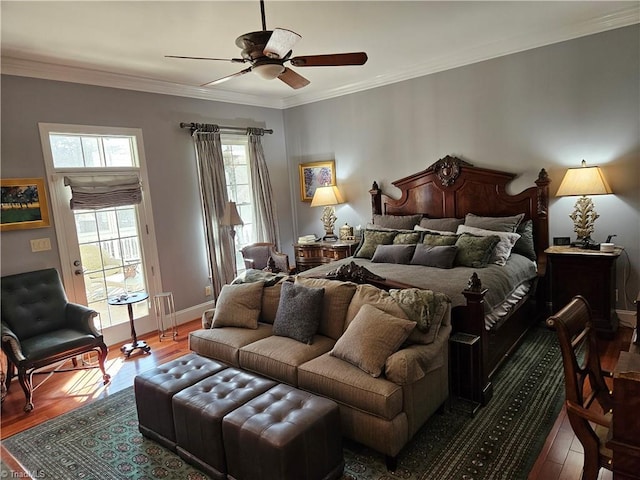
451 189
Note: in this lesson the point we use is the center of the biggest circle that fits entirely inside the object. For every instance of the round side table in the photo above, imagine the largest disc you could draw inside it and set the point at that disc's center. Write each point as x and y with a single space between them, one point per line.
129 300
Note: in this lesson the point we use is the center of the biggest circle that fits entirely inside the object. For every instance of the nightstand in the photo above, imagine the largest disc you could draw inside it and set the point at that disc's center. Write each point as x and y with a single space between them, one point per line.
309 255
590 273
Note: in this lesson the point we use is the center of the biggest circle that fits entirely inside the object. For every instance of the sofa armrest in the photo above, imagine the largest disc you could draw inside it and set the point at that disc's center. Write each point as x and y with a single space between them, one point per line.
207 318
412 363
81 318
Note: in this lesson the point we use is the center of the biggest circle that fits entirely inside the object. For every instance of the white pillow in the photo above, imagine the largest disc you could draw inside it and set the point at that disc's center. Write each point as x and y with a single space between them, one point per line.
503 248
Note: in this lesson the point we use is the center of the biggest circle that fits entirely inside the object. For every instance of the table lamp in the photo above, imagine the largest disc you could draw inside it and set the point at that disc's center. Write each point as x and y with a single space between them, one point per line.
327 197
583 181
231 218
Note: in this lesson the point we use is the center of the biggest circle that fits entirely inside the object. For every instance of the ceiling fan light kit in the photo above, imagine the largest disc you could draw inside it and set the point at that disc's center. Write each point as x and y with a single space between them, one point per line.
268 50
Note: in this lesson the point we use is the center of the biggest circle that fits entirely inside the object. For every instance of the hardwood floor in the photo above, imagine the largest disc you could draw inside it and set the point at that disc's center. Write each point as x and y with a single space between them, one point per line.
559 459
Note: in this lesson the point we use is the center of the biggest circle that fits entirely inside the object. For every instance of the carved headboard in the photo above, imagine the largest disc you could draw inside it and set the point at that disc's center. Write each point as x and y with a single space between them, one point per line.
452 187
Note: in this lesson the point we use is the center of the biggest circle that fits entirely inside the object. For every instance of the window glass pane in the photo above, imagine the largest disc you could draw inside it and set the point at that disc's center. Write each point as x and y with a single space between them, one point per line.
107 224
66 150
242 174
91 151
86 226
243 194
117 152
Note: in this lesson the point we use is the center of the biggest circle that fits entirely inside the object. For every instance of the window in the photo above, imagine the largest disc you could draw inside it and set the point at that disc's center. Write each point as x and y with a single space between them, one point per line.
235 151
107 251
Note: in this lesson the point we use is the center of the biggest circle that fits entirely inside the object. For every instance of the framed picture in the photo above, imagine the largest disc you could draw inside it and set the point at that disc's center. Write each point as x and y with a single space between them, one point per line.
314 175
24 204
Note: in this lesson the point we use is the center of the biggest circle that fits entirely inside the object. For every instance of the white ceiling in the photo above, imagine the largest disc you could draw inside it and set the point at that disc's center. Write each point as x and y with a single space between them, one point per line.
122 43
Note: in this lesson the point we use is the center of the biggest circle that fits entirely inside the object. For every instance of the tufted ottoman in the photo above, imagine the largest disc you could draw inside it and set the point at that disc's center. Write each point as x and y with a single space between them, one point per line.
198 411
283 434
154 391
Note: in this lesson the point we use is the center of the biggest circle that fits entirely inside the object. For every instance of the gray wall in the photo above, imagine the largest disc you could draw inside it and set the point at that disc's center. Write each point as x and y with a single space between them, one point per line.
549 107
170 161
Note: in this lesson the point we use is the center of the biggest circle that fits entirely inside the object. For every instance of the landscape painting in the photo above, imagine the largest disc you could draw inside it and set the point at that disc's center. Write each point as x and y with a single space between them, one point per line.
24 204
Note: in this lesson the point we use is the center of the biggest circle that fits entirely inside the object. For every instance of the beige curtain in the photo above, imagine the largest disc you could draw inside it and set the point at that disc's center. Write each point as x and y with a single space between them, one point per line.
213 188
264 210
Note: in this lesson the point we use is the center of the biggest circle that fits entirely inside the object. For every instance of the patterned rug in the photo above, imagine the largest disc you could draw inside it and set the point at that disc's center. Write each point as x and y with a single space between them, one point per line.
101 440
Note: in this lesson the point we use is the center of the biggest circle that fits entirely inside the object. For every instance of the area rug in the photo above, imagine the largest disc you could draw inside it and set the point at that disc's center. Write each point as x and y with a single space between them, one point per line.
101 440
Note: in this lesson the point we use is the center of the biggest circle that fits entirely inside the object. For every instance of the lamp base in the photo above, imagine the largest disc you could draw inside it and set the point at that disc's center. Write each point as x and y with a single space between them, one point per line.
586 244
330 238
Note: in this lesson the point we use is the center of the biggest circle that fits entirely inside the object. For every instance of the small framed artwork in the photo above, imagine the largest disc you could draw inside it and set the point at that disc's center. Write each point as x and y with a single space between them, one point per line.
24 204
314 175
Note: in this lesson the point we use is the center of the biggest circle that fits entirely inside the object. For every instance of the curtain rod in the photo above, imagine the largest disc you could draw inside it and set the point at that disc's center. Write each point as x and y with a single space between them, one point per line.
197 126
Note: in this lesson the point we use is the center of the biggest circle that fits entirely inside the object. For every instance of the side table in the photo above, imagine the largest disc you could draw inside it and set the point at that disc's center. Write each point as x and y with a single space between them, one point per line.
129 300
589 273
309 255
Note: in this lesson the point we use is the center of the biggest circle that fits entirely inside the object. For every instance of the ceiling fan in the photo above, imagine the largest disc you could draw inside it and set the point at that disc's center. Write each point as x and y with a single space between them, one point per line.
267 51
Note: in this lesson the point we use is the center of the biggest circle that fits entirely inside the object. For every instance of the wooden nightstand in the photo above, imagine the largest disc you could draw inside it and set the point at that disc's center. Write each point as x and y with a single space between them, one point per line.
309 255
590 273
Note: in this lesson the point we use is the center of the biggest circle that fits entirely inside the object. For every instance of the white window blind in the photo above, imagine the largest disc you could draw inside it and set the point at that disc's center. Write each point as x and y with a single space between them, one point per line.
103 191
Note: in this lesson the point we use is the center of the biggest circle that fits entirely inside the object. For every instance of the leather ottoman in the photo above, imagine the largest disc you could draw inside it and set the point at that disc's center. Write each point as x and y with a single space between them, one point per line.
284 434
154 391
198 411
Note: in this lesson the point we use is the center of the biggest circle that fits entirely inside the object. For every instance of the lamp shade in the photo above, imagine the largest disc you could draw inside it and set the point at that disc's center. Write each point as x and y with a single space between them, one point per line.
231 217
327 195
583 181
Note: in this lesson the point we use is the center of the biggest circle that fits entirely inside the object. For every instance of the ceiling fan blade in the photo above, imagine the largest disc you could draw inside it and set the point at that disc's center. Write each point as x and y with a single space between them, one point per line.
228 77
232 60
331 60
293 79
280 43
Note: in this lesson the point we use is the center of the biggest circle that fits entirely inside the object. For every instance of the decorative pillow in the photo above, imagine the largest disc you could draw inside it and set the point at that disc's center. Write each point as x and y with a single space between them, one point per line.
525 245
434 256
406 222
299 312
371 240
474 251
425 307
370 338
497 224
403 238
393 254
445 224
502 250
435 239
238 306
418 228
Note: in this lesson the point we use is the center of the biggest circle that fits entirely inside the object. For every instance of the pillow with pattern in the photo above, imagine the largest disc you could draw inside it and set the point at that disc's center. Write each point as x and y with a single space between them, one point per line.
474 251
370 241
502 250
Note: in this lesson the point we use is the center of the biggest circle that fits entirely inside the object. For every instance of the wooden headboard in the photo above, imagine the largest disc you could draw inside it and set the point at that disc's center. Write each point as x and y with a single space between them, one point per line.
452 187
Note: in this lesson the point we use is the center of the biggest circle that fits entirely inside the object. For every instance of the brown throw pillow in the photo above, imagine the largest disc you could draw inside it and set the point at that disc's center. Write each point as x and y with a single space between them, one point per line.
371 337
238 306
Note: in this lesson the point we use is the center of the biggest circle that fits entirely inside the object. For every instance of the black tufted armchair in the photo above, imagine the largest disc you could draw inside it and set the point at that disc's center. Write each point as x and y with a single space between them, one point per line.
40 327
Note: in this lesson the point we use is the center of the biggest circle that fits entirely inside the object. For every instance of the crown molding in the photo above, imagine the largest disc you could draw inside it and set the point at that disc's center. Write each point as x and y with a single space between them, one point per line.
474 54
63 73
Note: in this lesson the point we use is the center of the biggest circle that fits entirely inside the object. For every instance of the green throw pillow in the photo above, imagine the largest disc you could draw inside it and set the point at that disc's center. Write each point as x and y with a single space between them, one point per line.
435 239
373 238
475 251
407 238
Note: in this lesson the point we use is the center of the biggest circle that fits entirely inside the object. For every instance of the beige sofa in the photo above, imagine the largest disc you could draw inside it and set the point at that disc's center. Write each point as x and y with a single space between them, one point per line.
381 412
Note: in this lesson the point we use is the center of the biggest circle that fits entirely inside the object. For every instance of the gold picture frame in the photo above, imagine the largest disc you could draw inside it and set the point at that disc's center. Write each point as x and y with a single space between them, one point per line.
24 204
314 175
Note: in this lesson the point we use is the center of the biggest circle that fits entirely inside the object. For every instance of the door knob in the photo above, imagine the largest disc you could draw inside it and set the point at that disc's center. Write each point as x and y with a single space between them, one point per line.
76 263
78 272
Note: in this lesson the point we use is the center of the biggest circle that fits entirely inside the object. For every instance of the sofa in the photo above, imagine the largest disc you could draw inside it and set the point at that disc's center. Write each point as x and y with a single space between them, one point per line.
365 351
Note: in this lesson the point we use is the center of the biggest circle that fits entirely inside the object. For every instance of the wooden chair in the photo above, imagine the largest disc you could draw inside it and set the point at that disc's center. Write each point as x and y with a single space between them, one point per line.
577 338
263 255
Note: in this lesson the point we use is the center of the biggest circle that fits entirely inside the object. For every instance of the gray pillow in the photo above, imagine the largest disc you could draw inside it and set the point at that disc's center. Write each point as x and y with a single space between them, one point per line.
393 254
406 222
475 251
434 256
446 224
370 241
525 245
497 224
299 312
238 306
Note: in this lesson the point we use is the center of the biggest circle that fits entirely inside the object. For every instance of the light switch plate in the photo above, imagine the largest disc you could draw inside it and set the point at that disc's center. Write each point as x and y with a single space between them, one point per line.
40 244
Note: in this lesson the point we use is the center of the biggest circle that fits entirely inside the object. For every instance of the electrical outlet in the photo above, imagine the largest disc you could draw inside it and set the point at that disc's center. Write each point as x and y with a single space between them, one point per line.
208 291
